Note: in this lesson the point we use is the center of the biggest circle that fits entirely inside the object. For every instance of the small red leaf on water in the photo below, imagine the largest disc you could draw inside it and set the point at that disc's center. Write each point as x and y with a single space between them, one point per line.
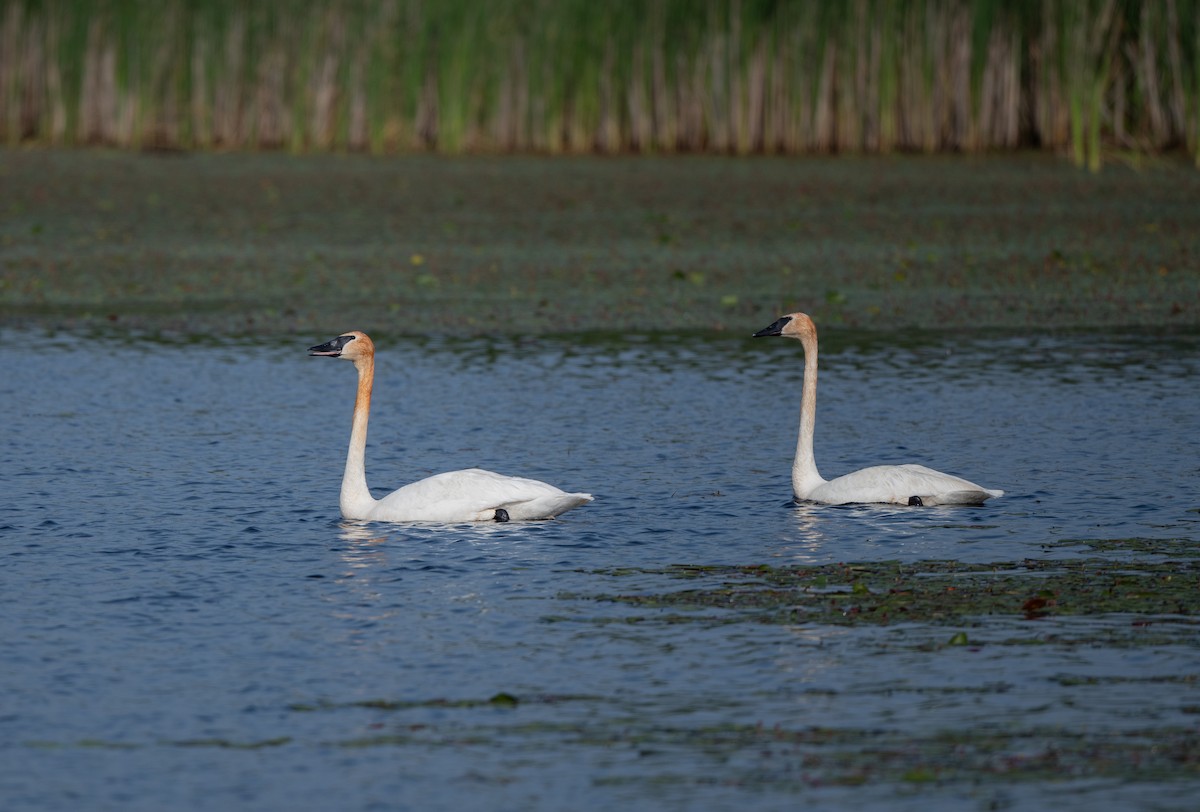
1034 605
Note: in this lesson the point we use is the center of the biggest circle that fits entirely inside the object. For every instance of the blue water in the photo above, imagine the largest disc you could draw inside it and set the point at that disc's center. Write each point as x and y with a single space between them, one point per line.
187 623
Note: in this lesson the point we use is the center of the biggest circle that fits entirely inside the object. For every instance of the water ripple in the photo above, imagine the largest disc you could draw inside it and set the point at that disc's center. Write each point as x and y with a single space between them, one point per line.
184 611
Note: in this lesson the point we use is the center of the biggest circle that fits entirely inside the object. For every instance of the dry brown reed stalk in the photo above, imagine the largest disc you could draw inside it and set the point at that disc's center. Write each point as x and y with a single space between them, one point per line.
1148 76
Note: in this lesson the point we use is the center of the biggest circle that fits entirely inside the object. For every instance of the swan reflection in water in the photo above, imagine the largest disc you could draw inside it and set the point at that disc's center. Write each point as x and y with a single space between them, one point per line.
361 535
818 534
805 540
379 547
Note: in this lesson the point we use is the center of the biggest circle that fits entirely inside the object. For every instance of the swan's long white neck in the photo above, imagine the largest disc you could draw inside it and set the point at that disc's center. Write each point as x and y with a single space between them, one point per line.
805 476
356 498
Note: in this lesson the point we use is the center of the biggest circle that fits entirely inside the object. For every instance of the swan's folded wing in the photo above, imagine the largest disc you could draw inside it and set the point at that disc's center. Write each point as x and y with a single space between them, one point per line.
898 484
473 495
947 489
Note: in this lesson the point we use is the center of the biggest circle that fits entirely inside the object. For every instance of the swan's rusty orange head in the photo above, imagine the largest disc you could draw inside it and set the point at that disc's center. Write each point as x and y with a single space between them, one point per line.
351 346
793 325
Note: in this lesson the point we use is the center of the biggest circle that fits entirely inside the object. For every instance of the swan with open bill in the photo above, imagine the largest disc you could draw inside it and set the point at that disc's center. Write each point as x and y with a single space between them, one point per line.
887 484
473 495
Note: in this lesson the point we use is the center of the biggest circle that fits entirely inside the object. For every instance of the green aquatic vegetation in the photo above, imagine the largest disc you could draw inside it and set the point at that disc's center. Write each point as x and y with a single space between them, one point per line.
791 757
502 699
228 744
778 755
1172 548
101 744
422 246
932 592
1175 679
219 743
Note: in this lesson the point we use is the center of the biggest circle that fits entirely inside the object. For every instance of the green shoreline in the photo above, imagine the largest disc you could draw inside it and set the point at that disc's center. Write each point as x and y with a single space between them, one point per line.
270 243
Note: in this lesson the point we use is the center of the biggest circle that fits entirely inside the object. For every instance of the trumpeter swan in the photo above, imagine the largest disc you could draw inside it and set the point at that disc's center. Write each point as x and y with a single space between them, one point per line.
890 484
472 495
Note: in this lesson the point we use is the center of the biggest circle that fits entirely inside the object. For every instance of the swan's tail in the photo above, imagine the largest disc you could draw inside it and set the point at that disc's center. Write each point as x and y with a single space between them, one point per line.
965 497
546 507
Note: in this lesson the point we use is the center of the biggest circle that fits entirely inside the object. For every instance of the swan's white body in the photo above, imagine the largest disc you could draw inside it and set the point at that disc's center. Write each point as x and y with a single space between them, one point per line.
887 484
472 495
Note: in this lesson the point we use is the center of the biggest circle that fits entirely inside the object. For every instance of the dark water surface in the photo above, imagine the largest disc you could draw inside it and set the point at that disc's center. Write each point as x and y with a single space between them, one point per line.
187 623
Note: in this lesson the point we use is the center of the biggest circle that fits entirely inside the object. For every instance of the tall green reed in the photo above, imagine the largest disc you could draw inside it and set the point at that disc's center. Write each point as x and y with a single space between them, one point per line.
731 76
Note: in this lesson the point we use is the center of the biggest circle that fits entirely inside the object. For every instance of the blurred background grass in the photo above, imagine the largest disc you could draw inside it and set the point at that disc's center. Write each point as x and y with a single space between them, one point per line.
1080 77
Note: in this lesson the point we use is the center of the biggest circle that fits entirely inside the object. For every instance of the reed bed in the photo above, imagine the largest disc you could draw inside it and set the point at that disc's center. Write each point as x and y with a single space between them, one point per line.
577 76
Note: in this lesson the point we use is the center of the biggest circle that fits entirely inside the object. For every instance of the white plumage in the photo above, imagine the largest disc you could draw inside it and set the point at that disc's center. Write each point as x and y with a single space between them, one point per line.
472 495
889 484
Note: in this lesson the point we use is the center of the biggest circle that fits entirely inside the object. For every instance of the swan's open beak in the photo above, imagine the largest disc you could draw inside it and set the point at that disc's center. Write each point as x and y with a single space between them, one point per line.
331 349
776 328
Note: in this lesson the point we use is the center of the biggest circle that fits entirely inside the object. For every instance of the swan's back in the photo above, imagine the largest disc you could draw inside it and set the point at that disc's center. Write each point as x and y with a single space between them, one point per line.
898 485
456 495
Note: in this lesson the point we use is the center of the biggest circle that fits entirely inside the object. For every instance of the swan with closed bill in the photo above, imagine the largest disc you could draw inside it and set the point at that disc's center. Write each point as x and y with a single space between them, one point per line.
471 495
886 484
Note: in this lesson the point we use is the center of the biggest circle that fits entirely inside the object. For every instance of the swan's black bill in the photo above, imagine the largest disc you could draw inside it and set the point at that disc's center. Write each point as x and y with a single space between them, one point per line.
331 349
776 328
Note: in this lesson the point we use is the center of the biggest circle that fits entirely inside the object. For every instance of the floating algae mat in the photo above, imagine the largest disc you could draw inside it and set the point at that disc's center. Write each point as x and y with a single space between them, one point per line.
925 592
1059 623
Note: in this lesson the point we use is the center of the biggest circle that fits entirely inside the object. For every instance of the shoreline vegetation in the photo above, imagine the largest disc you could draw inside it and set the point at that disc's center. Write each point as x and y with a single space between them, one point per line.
274 243
1084 78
